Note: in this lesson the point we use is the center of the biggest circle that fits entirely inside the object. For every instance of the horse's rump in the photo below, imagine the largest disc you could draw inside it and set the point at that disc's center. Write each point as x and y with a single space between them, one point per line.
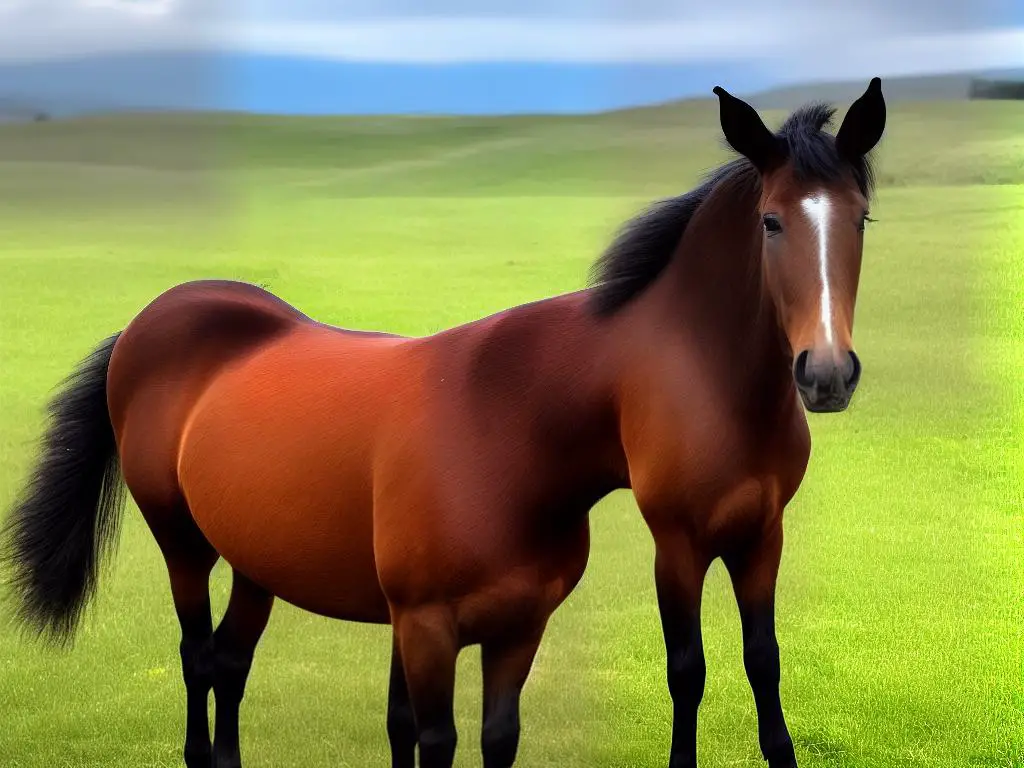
263 423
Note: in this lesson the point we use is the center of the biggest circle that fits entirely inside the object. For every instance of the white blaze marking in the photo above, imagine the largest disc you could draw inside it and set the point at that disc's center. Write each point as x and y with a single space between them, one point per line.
817 208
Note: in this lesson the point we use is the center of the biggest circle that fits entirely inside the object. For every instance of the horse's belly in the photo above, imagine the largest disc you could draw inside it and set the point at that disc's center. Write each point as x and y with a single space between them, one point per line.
279 482
315 556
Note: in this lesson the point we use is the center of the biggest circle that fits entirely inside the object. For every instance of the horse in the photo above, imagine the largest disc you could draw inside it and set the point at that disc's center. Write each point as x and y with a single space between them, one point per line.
442 484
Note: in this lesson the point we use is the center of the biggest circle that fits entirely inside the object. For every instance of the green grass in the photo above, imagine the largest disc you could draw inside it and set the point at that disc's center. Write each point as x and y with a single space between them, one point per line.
900 606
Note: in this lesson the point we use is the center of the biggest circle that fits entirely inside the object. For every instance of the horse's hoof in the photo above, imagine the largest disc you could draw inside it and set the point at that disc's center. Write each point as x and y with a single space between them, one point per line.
782 757
232 761
199 758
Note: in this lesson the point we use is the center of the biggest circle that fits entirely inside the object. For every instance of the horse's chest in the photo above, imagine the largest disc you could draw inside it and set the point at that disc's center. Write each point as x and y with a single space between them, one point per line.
716 477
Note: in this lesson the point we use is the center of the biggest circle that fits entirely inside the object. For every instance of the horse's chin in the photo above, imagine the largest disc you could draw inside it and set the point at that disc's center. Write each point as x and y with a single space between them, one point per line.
829 404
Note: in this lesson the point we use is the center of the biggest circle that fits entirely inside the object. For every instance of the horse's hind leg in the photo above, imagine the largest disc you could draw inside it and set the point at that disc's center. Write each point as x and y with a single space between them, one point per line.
190 587
401 723
506 665
428 642
234 644
190 558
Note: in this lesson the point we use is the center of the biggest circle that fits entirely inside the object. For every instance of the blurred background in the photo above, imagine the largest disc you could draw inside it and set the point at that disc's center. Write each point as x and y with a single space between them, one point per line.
407 166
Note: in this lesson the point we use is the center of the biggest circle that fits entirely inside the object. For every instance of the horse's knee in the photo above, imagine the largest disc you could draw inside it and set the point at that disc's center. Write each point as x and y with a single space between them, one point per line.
197 664
761 660
401 725
687 672
437 746
230 671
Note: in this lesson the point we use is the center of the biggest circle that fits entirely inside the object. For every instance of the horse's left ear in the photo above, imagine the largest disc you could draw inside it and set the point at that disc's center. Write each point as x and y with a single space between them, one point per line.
864 123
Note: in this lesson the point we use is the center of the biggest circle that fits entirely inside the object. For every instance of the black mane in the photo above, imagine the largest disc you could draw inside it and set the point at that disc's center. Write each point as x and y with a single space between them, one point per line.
646 243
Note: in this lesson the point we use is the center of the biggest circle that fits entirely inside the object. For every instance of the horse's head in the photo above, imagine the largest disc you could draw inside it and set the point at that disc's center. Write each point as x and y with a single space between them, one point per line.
814 205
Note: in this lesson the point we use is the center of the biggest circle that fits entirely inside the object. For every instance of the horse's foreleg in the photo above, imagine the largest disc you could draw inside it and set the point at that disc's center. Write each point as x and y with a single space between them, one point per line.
428 641
506 665
679 576
401 723
754 573
234 644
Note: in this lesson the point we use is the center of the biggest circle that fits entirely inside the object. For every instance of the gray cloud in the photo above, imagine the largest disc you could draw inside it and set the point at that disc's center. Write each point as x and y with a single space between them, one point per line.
922 15
807 33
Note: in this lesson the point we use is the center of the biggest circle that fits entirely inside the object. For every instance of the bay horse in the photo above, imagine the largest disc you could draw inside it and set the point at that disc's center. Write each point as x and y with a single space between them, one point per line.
442 484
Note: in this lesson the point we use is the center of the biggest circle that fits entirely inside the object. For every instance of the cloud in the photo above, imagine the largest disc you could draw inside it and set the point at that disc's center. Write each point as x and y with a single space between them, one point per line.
706 40
134 7
797 36
50 29
921 54
432 40
930 15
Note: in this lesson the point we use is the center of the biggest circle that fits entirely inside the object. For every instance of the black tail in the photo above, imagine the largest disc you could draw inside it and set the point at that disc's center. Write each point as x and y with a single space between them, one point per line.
67 517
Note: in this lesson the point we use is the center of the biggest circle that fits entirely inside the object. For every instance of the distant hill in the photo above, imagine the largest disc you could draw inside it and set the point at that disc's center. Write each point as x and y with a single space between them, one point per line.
114 83
197 82
1008 85
236 82
638 153
949 87
952 87
21 111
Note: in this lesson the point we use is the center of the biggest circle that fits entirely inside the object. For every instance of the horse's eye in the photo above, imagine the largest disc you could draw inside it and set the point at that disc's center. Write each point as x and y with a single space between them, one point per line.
863 222
772 225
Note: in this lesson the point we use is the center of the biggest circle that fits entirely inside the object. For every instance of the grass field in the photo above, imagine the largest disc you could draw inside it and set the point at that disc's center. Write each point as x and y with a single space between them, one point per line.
900 603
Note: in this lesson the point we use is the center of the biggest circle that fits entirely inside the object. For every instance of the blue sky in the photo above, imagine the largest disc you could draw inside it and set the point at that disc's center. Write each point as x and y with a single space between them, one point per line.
482 55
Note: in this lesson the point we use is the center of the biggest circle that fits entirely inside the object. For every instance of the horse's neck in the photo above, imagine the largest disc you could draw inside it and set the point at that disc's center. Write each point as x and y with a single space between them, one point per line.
713 293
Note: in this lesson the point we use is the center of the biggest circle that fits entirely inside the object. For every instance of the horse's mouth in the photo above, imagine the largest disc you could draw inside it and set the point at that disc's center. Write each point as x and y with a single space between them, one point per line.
825 403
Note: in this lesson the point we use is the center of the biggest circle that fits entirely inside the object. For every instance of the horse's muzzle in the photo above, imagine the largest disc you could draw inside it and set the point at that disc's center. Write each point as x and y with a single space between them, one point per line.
826 384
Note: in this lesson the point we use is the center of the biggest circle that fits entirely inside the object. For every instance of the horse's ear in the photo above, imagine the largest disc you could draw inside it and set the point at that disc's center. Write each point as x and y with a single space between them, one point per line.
864 123
746 133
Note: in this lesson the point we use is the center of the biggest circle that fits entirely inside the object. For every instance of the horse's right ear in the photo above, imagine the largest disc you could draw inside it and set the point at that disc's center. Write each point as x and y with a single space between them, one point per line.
746 133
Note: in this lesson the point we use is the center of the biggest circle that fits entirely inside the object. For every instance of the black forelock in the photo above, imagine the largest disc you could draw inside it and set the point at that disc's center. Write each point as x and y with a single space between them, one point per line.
812 151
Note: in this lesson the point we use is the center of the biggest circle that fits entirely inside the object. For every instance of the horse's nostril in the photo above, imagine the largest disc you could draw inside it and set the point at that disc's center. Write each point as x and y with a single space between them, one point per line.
800 369
854 375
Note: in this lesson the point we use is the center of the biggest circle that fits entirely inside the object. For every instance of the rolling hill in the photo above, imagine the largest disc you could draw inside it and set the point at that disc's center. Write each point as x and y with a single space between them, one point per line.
295 85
